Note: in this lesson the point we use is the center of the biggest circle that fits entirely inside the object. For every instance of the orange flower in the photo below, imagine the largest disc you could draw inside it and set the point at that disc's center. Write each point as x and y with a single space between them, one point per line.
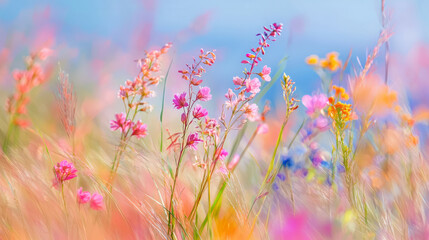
331 62
312 60
340 111
341 93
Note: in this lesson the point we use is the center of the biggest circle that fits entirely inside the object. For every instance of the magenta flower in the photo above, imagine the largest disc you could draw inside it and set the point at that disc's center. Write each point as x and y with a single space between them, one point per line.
139 129
179 101
237 81
221 154
253 85
265 74
64 171
120 122
193 140
83 197
314 103
199 112
204 94
97 202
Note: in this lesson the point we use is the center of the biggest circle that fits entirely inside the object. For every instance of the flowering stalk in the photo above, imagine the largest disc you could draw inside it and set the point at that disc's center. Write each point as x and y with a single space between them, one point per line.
26 80
66 101
247 89
133 96
191 112
291 106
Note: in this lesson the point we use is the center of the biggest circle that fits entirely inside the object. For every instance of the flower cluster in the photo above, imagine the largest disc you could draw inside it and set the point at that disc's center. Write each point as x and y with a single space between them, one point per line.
340 112
134 93
95 201
248 84
331 62
121 122
26 80
188 101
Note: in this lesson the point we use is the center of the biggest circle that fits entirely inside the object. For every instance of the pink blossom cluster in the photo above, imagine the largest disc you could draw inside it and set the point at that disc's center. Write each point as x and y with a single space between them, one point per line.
95 201
26 80
128 127
138 89
250 83
187 101
315 105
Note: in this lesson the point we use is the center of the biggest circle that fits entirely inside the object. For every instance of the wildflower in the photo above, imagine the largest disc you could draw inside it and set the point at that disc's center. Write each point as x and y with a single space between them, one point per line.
221 154
237 81
199 112
312 60
183 118
139 129
287 162
251 111
193 140
204 94
83 197
97 202
331 62
64 171
340 111
179 101
341 93
120 122
262 128
265 74
321 123
253 85
314 103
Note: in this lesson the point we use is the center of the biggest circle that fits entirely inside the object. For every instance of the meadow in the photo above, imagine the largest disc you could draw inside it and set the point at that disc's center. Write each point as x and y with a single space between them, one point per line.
157 147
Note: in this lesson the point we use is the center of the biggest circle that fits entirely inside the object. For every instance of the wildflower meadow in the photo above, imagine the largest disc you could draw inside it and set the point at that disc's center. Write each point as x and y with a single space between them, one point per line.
248 120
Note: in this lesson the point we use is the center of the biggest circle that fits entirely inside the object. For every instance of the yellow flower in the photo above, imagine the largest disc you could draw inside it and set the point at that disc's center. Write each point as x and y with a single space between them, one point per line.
312 60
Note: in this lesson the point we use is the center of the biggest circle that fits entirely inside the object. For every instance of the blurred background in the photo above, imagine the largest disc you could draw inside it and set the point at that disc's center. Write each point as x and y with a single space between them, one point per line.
98 41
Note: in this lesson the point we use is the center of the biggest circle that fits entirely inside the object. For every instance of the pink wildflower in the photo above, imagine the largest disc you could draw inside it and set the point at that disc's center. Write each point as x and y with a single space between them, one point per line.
253 85
120 122
265 74
314 103
97 202
139 129
83 197
221 154
64 171
204 94
179 101
193 140
251 112
321 123
238 81
262 128
199 112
